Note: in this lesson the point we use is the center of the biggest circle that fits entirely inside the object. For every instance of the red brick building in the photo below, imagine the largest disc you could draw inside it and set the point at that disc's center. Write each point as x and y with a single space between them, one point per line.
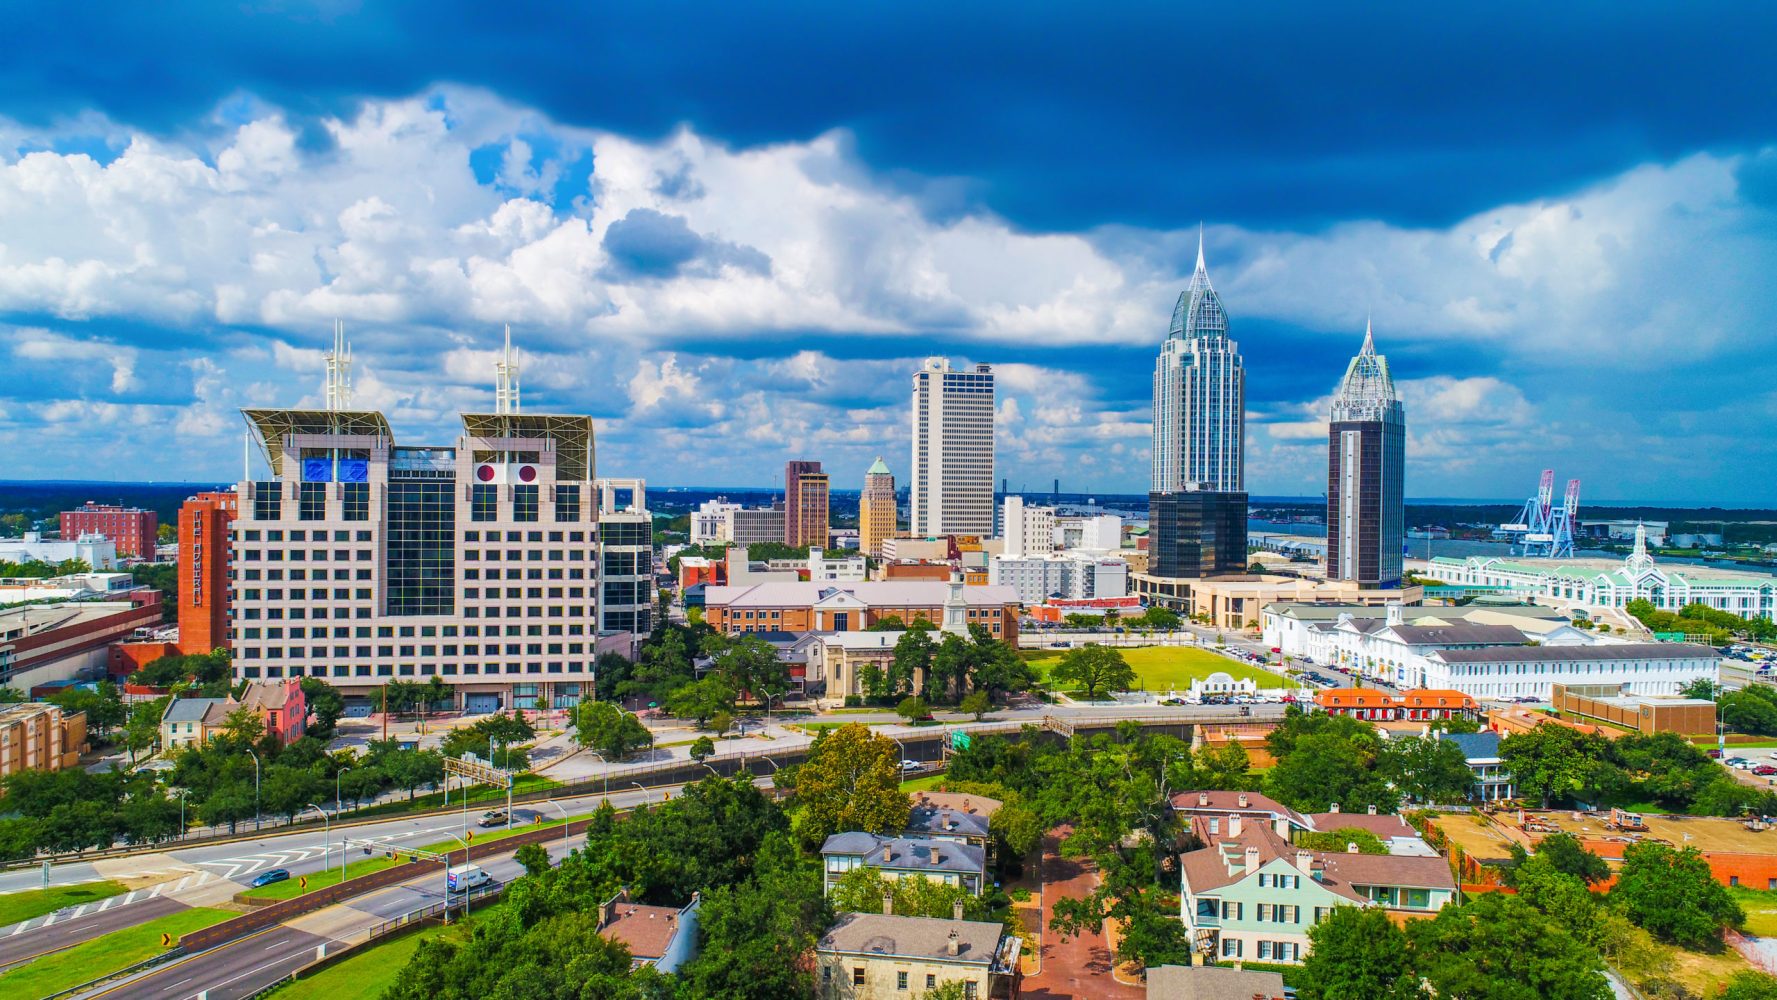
132 529
204 522
805 504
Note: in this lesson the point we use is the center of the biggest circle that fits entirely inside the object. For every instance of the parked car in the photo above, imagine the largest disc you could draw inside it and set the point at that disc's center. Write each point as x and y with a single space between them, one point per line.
493 817
1716 754
1764 770
269 876
910 765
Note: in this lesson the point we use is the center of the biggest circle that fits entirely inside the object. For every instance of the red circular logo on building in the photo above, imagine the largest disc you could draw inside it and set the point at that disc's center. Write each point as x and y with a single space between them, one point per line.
485 473
527 473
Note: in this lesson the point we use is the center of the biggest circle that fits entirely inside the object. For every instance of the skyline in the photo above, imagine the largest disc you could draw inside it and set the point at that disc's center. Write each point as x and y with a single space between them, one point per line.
1571 269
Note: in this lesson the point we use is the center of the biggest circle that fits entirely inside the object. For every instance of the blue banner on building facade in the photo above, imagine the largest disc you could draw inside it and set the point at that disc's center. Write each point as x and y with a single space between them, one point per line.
317 470
354 470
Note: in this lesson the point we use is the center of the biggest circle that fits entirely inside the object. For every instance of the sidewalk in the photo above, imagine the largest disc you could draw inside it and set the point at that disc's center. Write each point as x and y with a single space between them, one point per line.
1078 968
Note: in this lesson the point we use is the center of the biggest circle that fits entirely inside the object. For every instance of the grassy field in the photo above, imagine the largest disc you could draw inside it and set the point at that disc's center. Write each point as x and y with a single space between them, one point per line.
1761 910
369 972
926 783
91 959
36 902
1163 668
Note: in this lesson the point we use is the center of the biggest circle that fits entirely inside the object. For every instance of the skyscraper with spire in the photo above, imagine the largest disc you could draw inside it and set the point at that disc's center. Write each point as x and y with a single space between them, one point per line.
1199 396
1366 452
1197 504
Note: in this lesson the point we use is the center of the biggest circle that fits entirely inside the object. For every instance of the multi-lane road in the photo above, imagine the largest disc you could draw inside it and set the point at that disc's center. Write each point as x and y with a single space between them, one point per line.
209 874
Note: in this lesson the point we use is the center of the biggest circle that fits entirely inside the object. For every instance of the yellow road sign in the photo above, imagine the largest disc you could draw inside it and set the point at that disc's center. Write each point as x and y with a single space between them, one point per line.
303 882
166 940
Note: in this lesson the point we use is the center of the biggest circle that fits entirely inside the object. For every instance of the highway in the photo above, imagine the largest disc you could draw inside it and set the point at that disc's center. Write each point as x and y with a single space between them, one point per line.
247 965
211 874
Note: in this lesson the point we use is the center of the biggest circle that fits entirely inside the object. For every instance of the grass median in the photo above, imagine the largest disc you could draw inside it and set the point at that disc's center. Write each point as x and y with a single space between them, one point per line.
292 887
36 902
369 972
89 960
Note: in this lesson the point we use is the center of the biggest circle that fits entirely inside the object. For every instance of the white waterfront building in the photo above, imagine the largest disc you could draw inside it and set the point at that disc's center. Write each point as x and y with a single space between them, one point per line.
1027 530
1746 595
95 550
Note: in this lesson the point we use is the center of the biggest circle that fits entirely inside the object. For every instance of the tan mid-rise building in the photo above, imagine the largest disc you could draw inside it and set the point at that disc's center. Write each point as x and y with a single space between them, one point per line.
40 737
876 509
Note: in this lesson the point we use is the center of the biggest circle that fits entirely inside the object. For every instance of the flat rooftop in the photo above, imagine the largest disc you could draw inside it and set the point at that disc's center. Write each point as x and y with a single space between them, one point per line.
1705 833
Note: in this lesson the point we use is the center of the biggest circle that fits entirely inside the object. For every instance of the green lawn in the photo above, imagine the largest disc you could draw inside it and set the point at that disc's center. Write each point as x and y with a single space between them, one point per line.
1162 668
369 973
924 784
1761 910
36 902
290 888
89 960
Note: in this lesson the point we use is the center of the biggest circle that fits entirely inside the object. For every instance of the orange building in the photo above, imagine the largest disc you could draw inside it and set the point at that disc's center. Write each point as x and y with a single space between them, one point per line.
204 523
1417 705
805 505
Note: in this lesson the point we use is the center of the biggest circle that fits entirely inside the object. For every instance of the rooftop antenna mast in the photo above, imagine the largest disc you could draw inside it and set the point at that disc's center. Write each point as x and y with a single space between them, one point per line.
506 378
339 371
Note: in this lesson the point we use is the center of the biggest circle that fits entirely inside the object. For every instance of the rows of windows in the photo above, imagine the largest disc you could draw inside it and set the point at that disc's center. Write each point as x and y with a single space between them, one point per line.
253 672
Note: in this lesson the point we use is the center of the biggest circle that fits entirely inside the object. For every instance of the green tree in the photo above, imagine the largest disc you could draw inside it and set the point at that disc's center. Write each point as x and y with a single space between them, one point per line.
1325 759
610 730
994 667
143 727
949 671
914 709
1565 854
286 791
325 706
978 704
850 781
1357 953
1750 986
1672 895
1427 769
954 989
702 749
703 699
1553 763
1094 668
10 695
887 623
102 705
1499 947
1341 839
534 858
757 933
861 890
1160 619
912 658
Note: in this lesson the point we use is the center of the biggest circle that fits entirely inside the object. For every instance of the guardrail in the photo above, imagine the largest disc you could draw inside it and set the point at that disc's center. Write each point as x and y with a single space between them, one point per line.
142 966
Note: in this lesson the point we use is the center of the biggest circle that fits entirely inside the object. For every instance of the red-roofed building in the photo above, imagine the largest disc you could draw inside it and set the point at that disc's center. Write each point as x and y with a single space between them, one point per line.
1368 704
1424 704
662 936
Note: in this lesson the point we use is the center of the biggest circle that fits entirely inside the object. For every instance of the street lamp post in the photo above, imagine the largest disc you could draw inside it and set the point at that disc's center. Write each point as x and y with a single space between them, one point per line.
327 837
182 793
644 791
711 769
255 788
338 803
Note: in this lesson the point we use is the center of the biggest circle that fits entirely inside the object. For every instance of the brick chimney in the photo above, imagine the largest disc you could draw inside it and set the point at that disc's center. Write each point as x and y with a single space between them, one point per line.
952 946
1243 800
1252 860
888 854
1234 826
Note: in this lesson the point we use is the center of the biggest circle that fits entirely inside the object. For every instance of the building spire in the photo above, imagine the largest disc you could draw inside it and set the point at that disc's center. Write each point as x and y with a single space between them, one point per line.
506 378
1198 311
1369 347
1200 266
338 395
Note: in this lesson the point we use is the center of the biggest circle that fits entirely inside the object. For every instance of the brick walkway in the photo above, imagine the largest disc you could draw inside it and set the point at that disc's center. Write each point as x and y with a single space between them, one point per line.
1079 968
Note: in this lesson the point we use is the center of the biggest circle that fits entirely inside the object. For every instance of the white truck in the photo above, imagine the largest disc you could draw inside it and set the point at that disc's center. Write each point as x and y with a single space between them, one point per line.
462 878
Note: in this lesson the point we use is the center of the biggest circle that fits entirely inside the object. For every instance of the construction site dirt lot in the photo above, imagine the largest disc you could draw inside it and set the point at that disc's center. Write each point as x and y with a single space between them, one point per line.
1705 833
1478 836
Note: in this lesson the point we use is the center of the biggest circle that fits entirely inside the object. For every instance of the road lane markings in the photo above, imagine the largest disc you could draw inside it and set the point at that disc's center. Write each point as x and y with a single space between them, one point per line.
131 897
77 911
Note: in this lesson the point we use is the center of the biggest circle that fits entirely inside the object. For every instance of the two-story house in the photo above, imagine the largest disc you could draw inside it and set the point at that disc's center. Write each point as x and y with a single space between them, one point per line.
945 861
952 816
880 956
1252 896
1481 751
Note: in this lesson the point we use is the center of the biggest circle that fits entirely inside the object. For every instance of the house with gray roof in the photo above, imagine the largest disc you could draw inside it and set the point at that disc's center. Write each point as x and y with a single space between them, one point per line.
1481 750
958 864
1212 982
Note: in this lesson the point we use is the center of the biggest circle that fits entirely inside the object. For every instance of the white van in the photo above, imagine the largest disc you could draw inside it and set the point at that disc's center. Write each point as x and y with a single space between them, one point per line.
464 877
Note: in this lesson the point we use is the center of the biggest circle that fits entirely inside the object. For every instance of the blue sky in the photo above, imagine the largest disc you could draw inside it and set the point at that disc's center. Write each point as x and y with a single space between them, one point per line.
731 231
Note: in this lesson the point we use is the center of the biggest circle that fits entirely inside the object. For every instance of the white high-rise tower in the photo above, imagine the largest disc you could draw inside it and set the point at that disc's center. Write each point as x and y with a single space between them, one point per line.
951 487
1199 396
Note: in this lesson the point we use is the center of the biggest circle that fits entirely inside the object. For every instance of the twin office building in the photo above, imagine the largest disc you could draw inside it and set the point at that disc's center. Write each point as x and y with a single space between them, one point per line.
1198 504
498 563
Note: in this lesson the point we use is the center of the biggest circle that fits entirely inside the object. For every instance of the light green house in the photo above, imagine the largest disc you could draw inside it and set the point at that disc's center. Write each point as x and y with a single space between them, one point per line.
1252 896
